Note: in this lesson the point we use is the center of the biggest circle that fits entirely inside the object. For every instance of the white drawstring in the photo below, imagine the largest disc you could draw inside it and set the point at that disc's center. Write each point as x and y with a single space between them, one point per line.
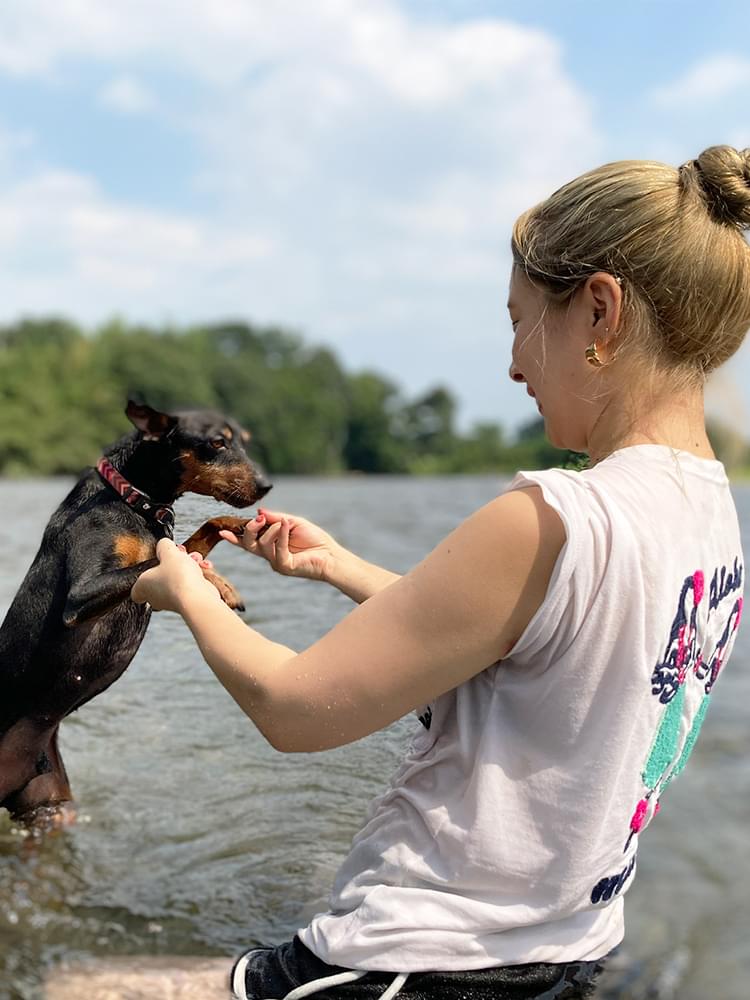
238 977
315 986
395 988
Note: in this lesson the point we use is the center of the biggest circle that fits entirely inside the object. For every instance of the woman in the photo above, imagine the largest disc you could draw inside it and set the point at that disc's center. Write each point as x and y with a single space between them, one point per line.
560 646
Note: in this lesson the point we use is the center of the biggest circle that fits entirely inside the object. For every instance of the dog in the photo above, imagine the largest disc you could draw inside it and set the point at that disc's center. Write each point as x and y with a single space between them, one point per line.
72 628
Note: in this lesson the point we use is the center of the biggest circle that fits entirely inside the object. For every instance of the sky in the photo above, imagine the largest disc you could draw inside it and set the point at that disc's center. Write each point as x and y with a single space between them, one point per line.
348 169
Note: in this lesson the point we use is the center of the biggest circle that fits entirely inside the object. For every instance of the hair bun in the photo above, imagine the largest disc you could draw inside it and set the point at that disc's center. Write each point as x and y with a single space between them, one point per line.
723 176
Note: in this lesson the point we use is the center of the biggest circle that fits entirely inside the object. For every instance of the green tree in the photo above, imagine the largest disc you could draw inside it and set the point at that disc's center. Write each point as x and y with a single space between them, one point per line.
532 450
729 445
164 368
371 443
63 393
427 423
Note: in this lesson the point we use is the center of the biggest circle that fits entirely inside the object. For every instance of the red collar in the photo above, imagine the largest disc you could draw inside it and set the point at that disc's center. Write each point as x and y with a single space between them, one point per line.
163 514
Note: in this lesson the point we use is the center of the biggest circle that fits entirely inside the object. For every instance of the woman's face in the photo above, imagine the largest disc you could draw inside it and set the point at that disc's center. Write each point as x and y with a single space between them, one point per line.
549 356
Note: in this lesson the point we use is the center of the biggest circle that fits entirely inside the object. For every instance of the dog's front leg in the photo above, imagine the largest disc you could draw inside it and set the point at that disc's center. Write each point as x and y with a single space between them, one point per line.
93 596
204 540
227 592
207 536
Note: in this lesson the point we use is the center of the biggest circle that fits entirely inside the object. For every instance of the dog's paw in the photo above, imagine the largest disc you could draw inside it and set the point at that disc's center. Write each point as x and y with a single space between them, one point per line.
227 592
46 818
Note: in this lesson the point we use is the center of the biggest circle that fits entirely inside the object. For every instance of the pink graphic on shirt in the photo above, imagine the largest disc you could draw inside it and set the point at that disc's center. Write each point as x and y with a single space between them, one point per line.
639 815
685 656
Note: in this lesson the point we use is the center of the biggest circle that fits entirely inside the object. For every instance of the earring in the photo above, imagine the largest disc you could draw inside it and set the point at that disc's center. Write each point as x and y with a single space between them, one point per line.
592 356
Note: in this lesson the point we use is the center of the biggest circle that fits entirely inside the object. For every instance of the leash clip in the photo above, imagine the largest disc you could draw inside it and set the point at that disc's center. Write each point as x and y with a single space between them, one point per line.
165 516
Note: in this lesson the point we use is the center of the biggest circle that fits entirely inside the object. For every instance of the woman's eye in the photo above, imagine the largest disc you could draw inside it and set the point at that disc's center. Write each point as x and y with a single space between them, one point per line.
218 443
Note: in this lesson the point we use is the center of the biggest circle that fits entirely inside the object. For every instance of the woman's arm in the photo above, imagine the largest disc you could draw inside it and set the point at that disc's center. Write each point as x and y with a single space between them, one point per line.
358 578
459 611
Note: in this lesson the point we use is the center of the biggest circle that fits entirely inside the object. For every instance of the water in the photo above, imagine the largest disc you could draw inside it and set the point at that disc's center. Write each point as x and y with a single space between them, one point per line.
196 838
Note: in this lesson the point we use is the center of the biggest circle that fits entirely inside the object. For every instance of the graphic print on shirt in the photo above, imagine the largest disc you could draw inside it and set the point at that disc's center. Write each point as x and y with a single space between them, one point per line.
425 716
684 657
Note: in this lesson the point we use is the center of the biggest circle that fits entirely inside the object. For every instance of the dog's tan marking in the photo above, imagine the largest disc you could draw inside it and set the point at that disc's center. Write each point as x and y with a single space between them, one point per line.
246 436
130 549
227 432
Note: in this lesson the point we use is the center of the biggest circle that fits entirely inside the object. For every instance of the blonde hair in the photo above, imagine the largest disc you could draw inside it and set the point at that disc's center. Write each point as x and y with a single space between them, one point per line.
671 236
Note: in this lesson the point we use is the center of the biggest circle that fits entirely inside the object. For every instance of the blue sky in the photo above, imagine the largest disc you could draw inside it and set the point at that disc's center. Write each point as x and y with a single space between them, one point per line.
348 168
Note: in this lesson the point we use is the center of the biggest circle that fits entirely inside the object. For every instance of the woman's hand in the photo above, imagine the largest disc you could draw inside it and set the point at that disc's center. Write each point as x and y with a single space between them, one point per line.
292 545
177 577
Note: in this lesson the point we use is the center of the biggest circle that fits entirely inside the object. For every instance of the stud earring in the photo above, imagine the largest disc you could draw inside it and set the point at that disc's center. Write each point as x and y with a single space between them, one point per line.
592 356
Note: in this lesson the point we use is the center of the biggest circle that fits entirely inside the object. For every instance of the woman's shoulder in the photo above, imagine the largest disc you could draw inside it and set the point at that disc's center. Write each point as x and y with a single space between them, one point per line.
643 478
565 492
651 460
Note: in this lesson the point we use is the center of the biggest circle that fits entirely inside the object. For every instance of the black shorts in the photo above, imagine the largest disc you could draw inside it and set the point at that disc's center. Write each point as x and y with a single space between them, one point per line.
272 973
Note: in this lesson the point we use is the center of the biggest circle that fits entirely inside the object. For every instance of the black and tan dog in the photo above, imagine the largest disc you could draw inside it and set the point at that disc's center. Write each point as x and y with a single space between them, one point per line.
72 628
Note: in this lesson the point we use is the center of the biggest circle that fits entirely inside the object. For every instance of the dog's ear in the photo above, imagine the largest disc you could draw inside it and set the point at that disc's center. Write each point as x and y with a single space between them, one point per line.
152 423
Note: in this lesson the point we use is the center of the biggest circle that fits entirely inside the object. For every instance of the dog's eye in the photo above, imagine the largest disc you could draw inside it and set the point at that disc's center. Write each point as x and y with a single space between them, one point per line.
218 443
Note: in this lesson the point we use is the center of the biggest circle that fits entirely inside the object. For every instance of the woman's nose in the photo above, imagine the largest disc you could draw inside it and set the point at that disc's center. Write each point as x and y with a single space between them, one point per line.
515 374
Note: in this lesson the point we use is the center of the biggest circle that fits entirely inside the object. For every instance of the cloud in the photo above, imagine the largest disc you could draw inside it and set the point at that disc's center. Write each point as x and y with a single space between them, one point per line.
13 142
219 42
127 95
65 247
356 172
706 82
392 130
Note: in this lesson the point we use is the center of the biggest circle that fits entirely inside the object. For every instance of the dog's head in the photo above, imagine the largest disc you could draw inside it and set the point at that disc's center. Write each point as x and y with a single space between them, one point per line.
207 452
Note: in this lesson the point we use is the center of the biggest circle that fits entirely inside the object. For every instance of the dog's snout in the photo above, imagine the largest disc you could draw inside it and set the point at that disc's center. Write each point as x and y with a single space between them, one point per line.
262 485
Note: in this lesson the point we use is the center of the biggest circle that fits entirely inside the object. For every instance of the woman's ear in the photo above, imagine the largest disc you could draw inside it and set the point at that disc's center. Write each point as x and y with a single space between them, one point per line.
603 302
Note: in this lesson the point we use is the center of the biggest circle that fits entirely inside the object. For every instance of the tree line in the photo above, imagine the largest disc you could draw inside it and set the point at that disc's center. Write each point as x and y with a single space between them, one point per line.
63 392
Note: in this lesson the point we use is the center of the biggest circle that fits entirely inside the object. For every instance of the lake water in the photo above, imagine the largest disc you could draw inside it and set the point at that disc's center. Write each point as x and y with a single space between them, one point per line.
196 838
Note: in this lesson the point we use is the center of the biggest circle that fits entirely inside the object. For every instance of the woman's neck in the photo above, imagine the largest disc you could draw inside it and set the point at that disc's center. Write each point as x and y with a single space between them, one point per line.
678 423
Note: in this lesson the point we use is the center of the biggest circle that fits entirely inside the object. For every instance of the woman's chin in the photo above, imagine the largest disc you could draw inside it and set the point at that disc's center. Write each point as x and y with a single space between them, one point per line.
559 439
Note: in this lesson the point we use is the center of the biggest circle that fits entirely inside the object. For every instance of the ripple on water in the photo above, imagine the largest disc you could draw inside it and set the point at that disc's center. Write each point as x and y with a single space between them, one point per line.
203 840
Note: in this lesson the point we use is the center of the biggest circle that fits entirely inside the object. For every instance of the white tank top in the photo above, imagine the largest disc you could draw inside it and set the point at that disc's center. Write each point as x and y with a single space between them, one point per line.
509 833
